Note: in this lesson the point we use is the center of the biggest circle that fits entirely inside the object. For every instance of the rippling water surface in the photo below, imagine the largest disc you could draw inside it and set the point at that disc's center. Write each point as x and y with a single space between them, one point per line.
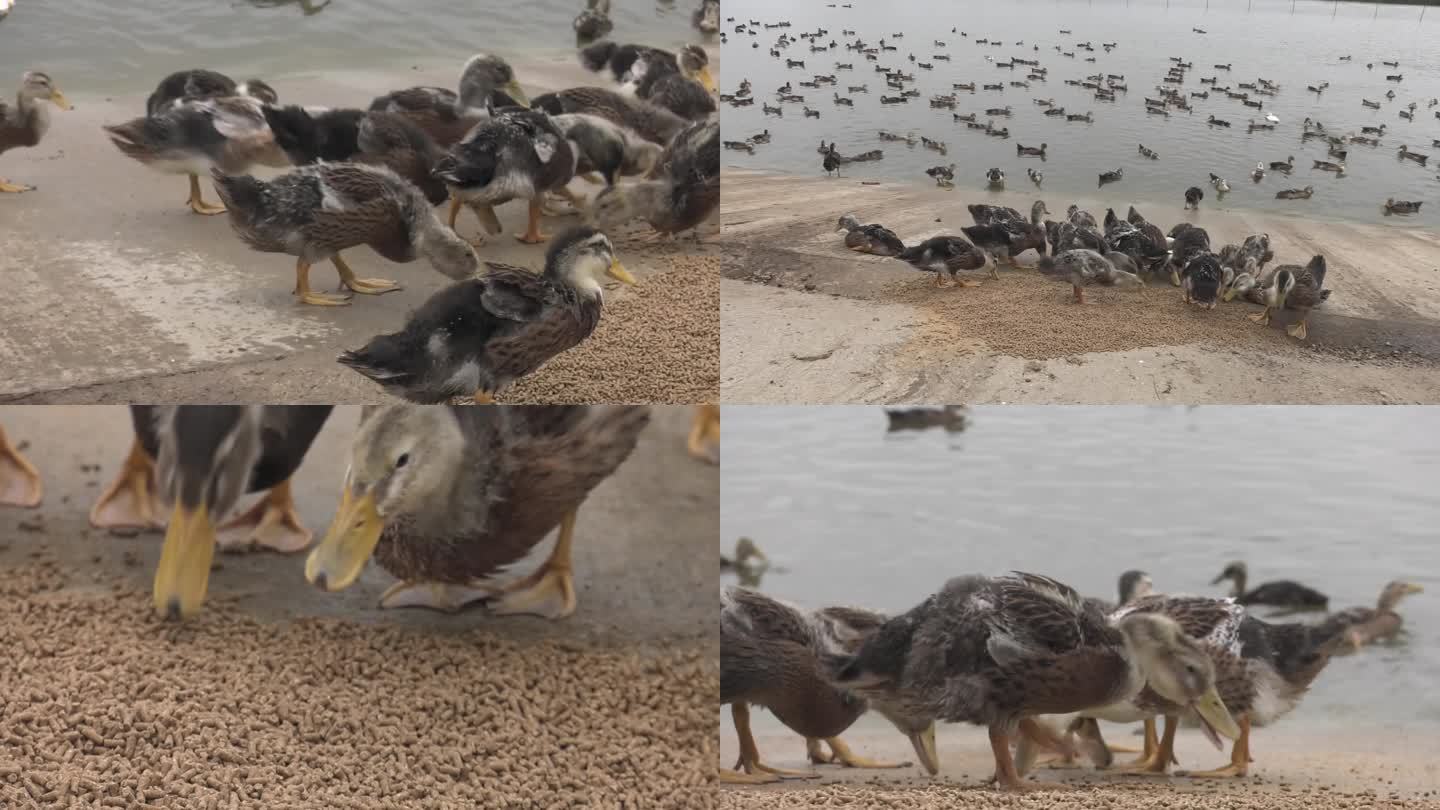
1295 45
1342 499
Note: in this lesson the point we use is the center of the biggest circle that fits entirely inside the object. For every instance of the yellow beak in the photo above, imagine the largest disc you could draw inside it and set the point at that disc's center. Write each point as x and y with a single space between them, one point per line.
1413 588
924 742
706 78
351 539
513 90
1229 294
58 99
617 271
1212 708
184 570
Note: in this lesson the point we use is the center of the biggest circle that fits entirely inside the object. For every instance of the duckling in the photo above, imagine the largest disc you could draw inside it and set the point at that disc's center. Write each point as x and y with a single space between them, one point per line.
706 19
376 138
316 211
944 175
228 134
650 121
1083 267
747 557
1361 626
996 179
20 483
1031 150
1112 177
1327 166
873 239
594 22
1406 154
512 155
1259 173
1187 242
1221 187
198 83
831 162
611 150
1149 153
1279 593
28 121
1394 206
1295 193
677 93
477 336
1035 177
1201 280
1285 166
947 254
629 63
1298 288
487 83
681 192
1193 196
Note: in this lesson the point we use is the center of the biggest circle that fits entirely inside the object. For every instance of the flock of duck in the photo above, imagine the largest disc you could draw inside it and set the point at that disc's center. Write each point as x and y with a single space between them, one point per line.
1170 98
373 176
443 498
1007 652
1121 253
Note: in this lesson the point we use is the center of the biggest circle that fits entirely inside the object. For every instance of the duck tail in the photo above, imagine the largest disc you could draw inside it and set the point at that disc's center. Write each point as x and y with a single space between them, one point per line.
385 359
136 138
594 57
1317 269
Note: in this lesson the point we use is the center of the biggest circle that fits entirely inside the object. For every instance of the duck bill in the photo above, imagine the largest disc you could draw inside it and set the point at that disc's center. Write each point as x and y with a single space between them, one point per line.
1218 580
706 78
348 544
58 99
1229 294
617 271
1413 588
924 743
184 570
512 89
1215 717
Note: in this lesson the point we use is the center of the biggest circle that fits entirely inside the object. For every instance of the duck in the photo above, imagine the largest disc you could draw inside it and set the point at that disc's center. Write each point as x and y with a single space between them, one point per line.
650 121
996 651
1135 237
1217 122
1083 267
198 83
477 336
1261 672
511 155
630 63
1112 177
706 18
1221 187
681 192
316 211
1187 242
375 138
873 239
1301 289
770 656
1327 166
594 21
943 175
1021 234
831 162
1278 593
487 83
1035 177
226 134
1286 165
20 483
1193 196
27 122
445 499
996 178
1406 154
1394 206
1295 193
1031 150
950 417
747 557
1362 625
1201 280
604 147
199 460
1149 153
948 254
1259 173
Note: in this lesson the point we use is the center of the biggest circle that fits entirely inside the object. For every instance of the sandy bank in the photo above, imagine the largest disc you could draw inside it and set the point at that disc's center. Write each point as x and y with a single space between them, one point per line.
831 325
116 292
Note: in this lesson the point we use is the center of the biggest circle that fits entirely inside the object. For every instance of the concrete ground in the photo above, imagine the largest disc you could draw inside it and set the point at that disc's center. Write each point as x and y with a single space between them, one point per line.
805 321
116 292
644 558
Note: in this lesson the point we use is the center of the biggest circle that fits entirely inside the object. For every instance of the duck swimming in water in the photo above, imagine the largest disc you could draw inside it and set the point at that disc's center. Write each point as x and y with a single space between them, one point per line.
1363 625
1279 593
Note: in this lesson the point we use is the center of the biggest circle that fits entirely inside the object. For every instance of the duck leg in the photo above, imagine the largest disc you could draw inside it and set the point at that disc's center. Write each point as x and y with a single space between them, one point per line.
307 296
1157 755
550 590
364 286
705 433
1239 756
7 187
484 398
750 753
1299 331
1174 276
271 523
532 235
440 596
841 754
1005 774
1262 318
130 502
1078 293
19 480
197 202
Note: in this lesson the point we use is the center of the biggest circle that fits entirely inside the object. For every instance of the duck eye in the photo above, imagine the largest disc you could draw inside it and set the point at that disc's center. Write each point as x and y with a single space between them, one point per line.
402 460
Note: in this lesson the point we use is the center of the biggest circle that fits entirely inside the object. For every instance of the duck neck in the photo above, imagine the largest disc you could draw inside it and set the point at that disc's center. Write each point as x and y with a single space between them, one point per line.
29 109
1137 673
1238 577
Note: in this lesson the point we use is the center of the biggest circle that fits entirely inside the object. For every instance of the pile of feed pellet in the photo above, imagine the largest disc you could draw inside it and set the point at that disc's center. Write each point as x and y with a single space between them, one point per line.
104 705
1148 795
1025 314
660 343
